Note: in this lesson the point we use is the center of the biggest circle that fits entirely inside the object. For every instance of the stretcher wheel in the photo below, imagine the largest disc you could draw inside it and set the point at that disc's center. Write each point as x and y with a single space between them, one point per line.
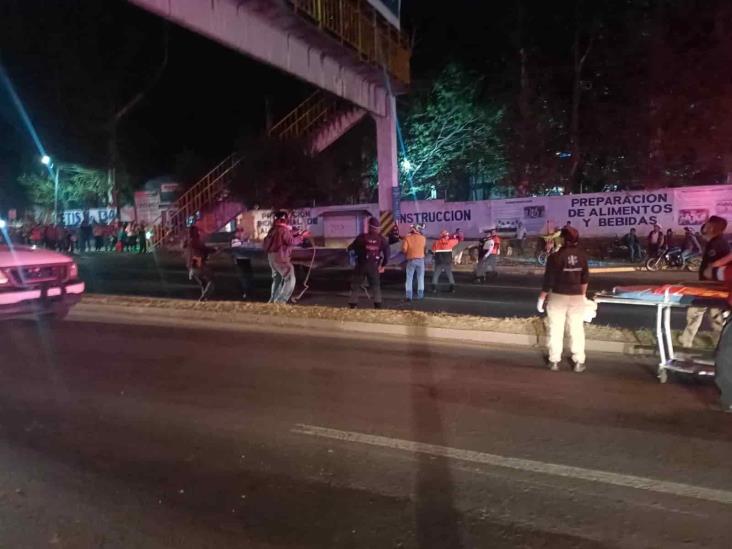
663 375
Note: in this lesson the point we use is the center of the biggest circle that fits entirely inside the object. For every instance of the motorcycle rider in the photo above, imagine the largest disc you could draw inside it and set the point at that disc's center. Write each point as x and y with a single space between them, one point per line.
655 241
691 246
372 254
717 248
565 286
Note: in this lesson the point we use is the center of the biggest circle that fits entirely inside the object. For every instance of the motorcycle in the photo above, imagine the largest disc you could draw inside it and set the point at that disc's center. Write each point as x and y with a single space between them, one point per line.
620 250
674 259
546 247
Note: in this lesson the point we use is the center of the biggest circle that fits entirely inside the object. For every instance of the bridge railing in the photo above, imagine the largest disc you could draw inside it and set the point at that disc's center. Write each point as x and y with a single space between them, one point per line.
357 24
314 110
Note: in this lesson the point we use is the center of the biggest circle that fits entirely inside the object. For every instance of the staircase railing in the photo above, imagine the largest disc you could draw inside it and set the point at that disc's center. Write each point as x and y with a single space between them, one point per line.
303 118
203 193
360 26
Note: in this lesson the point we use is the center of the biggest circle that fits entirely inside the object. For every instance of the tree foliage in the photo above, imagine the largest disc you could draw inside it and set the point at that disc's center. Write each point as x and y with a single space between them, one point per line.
450 129
79 187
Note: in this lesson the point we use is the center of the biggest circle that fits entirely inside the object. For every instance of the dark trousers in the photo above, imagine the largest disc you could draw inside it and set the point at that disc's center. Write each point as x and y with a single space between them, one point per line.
366 272
245 274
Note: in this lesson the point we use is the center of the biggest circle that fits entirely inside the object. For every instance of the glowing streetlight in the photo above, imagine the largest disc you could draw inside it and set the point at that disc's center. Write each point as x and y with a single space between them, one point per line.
46 161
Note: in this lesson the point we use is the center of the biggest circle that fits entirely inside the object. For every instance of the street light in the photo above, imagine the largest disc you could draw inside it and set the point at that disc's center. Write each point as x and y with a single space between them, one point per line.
46 161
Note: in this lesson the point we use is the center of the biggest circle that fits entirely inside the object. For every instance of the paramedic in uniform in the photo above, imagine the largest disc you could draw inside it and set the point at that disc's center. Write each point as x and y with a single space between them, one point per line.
565 286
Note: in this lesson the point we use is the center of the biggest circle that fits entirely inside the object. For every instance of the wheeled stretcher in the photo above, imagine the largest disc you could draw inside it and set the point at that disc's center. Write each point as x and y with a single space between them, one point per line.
666 298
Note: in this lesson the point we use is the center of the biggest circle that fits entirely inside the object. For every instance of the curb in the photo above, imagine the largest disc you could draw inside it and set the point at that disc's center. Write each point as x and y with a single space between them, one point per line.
244 322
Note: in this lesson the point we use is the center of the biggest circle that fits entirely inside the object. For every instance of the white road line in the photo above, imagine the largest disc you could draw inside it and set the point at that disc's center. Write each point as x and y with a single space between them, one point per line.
580 473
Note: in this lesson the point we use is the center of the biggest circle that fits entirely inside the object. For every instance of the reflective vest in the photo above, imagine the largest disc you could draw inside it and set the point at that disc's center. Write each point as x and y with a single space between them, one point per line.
496 245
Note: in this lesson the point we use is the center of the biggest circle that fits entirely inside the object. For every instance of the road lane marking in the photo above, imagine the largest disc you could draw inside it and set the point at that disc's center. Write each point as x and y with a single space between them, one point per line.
520 464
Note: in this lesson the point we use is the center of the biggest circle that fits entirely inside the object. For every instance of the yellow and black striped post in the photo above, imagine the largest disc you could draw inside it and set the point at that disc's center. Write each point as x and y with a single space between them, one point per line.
386 222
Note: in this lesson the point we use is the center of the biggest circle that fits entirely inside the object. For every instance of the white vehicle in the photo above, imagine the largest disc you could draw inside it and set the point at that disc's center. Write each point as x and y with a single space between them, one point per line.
36 282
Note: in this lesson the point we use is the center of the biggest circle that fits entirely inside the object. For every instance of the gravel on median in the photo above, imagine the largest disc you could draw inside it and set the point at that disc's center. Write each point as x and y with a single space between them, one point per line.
222 310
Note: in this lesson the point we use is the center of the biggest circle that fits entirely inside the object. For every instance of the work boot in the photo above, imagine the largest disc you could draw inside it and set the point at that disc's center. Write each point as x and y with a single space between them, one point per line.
351 305
579 367
478 280
554 366
434 289
452 289
377 305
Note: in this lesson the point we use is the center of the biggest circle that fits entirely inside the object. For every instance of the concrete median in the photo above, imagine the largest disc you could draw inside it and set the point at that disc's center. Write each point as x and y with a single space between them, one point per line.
435 327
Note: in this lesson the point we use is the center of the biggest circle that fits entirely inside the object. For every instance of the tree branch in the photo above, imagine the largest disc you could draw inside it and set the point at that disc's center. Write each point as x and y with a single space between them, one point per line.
136 99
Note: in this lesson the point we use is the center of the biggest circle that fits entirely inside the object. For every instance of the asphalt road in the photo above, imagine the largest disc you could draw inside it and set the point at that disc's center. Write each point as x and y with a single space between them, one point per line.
513 294
144 436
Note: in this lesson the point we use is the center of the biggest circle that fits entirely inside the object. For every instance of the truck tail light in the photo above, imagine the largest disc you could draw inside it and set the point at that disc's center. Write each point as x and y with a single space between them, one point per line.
73 271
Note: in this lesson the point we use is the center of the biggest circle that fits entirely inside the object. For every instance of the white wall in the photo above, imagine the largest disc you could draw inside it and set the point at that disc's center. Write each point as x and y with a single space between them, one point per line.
597 214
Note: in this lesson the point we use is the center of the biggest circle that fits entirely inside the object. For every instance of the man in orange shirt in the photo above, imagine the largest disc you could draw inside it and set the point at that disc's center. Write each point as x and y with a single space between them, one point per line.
442 250
413 247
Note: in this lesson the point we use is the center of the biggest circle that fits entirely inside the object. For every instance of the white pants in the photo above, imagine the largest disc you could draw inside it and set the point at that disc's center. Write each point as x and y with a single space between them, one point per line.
566 311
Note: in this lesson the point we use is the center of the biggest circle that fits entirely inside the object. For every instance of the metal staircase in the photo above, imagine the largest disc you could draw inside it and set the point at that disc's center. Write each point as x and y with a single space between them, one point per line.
319 121
205 194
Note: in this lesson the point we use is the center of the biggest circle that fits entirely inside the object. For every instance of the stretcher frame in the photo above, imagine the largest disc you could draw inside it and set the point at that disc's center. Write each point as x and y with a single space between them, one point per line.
670 360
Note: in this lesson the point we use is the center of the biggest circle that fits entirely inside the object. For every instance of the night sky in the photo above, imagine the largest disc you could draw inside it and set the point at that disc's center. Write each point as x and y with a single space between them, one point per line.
74 62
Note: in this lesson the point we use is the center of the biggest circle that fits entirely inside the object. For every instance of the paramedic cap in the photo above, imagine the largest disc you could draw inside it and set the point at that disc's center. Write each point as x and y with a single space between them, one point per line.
570 234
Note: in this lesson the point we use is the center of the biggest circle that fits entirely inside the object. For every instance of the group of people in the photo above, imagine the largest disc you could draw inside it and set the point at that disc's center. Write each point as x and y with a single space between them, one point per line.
566 278
563 296
371 253
89 236
658 242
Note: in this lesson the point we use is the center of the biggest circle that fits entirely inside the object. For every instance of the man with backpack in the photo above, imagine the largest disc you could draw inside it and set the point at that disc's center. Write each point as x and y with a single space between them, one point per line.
372 254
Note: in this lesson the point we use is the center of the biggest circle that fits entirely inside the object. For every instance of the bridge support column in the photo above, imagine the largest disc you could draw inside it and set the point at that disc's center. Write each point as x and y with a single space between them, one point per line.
386 154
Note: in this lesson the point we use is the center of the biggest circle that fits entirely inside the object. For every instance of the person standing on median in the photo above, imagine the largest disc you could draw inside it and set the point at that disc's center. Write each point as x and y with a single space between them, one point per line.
490 248
278 245
565 286
372 255
413 248
442 251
